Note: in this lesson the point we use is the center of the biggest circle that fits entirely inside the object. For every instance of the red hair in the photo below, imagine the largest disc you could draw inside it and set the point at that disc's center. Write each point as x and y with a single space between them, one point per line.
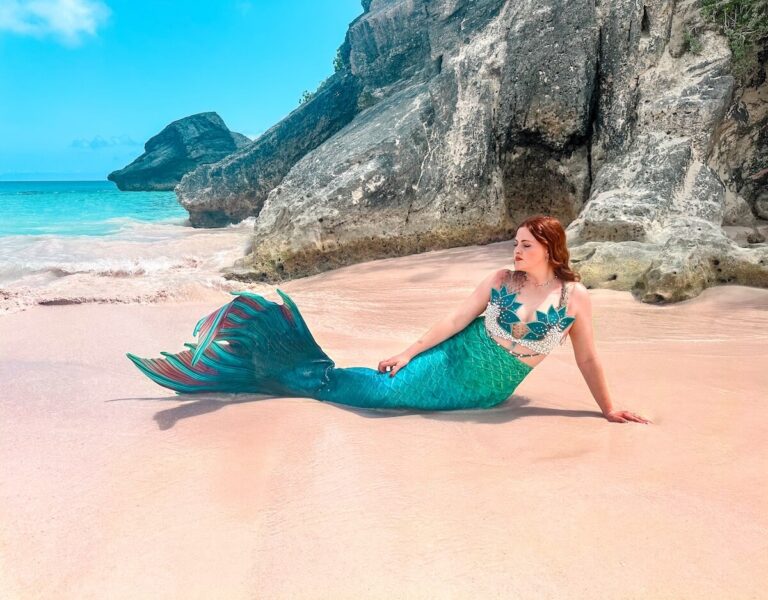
549 232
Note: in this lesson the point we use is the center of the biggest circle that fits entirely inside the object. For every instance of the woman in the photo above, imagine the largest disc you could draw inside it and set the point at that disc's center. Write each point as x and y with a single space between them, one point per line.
464 361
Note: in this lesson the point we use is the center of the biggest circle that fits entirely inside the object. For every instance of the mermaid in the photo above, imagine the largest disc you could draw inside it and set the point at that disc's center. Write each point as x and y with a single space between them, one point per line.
468 360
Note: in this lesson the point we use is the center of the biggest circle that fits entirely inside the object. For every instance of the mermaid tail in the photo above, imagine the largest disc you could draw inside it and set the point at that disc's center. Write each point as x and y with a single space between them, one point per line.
254 345
248 345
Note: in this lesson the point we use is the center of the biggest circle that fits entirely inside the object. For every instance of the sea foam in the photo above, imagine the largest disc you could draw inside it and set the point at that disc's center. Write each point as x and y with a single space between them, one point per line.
100 255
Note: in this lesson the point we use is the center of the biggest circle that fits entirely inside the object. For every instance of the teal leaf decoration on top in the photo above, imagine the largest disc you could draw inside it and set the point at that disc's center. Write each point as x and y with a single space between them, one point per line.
508 305
553 319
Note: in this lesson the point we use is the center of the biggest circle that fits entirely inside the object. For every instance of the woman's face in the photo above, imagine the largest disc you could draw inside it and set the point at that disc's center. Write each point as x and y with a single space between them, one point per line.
529 252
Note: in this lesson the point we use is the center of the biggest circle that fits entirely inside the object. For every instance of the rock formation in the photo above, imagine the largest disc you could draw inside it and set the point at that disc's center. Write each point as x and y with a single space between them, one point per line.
236 187
179 148
451 120
653 222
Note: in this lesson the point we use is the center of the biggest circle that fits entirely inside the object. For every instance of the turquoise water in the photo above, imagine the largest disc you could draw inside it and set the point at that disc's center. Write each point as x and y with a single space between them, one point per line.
77 208
86 241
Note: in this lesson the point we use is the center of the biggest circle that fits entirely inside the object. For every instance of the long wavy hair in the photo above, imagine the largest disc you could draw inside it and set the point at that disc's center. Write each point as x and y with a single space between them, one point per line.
548 231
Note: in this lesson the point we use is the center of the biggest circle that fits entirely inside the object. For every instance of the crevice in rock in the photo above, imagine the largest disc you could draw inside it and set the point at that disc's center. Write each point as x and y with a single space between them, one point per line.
594 106
645 24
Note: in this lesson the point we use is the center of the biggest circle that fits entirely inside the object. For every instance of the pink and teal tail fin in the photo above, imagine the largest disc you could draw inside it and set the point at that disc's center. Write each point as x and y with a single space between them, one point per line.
248 345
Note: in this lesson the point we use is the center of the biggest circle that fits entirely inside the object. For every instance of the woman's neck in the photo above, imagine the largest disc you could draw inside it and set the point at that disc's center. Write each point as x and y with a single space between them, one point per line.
540 279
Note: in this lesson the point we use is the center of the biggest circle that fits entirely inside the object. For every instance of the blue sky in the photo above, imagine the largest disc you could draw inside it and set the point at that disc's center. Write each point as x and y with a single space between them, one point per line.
84 83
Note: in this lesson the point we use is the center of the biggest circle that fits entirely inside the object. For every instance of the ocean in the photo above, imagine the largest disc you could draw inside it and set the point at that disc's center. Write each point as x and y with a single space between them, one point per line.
86 241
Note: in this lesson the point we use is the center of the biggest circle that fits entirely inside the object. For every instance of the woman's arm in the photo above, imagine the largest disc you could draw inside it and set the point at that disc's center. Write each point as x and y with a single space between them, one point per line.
449 325
582 338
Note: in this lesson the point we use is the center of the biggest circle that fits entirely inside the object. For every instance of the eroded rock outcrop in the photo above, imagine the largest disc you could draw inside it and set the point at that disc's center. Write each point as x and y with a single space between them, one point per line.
470 141
178 149
653 222
451 120
236 187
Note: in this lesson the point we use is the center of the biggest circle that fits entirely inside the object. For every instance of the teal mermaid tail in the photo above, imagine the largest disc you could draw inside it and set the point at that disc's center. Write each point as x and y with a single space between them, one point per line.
248 345
253 345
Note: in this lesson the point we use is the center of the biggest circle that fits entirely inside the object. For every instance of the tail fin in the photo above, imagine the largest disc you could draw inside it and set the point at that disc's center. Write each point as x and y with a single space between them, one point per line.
248 345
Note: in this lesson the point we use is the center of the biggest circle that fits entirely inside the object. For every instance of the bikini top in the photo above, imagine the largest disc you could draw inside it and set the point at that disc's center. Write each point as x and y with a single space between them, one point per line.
542 335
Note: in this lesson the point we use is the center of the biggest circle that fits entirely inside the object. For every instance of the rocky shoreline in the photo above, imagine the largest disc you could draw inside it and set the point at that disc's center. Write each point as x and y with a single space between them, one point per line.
446 123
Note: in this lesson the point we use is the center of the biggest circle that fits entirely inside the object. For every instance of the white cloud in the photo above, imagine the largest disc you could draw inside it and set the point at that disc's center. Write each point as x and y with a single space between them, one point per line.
99 142
66 20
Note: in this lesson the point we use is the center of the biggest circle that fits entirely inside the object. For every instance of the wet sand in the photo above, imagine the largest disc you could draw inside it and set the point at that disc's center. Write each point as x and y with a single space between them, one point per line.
113 487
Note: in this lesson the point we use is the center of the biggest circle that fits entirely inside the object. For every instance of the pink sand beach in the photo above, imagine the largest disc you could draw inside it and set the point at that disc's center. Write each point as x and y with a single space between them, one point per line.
113 487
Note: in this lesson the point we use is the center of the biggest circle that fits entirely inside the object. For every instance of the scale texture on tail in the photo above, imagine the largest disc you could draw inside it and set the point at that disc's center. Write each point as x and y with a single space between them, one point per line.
254 345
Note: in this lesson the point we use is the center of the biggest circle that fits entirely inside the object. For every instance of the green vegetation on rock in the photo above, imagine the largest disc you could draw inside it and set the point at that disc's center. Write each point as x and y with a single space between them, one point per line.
745 24
692 43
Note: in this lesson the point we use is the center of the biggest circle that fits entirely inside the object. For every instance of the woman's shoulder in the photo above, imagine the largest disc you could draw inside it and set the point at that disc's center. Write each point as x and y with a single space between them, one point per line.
577 288
499 275
505 275
577 296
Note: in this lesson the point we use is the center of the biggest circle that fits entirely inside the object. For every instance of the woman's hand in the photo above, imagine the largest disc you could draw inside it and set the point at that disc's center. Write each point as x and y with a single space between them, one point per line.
624 416
395 363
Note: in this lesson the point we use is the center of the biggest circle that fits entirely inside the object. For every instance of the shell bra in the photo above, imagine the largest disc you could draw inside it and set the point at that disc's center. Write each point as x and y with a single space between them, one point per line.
543 335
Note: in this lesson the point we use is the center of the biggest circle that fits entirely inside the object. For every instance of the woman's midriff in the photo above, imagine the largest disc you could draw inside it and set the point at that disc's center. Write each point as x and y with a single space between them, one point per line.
531 361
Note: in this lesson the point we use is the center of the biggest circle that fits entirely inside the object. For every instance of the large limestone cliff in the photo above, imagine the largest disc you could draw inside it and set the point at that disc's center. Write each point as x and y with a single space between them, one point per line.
451 120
